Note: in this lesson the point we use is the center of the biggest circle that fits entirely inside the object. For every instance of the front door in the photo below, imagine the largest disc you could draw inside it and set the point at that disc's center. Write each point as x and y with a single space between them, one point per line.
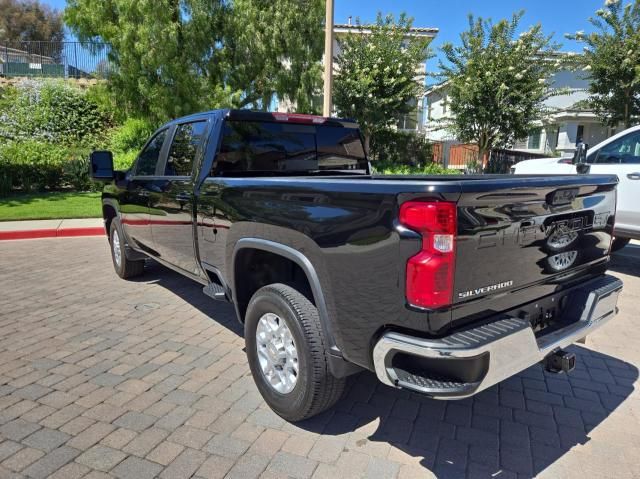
622 157
172 210
134 205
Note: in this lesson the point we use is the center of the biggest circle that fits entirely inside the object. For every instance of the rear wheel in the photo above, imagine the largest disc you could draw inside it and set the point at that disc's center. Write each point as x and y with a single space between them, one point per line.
619 243
287 353
125 268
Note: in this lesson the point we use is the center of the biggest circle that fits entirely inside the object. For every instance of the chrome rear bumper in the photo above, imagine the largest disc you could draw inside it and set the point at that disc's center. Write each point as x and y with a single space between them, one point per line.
505 346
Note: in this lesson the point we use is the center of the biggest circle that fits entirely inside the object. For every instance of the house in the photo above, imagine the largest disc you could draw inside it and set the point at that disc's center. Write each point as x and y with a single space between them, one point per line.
18 62
568 118
409 122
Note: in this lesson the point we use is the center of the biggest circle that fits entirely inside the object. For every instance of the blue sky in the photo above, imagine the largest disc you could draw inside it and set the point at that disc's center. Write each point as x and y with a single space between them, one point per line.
450 16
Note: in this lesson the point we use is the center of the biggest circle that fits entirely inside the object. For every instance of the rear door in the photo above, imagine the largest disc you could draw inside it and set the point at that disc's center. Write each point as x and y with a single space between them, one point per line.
622 157
134 205
173 209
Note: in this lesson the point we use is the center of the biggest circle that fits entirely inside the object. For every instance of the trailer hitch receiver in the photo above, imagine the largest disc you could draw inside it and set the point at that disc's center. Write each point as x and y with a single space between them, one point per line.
560 361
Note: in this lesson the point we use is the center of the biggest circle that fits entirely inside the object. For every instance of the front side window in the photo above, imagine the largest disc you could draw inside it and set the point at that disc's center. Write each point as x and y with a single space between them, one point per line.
148 159
271 147
624 150
184 148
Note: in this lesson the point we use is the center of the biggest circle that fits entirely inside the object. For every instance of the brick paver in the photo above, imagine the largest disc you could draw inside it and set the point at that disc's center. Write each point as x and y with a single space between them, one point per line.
101 377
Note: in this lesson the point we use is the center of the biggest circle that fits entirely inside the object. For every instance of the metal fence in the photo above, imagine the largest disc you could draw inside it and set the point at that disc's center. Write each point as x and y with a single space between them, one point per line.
55 59
501 161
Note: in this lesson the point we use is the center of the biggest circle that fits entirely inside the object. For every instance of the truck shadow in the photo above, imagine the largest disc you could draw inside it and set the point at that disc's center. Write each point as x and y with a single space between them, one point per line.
517 428
627 260
520 426
191 292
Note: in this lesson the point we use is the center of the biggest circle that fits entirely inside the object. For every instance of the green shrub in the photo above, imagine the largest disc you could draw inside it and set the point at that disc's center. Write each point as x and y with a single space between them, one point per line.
131 135
76 171
6 183
386 168
100 95
35 165
51 111
123 160
397 147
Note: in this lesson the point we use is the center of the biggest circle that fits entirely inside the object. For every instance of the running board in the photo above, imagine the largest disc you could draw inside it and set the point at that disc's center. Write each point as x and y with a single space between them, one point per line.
215 291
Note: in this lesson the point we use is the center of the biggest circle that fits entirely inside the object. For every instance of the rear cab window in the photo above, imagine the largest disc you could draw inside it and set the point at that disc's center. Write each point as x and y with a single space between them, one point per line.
268 147
185 146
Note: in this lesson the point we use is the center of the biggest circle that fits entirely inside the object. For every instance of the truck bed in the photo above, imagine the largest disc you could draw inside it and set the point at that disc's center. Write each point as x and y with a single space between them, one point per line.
347 225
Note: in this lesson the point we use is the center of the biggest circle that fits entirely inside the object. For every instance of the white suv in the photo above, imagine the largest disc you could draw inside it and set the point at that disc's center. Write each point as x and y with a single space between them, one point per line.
618 155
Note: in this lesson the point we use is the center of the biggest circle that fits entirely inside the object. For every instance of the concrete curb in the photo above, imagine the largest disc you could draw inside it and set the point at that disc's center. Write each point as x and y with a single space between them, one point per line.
18 230
51 233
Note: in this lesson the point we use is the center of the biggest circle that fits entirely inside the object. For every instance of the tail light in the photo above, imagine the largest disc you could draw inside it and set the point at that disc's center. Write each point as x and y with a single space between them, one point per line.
429 281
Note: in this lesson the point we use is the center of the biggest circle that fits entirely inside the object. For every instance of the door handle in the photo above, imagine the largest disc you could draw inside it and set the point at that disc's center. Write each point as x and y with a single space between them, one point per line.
634 176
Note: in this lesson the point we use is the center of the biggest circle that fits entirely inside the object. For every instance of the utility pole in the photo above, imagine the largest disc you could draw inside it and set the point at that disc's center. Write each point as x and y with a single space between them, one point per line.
328 59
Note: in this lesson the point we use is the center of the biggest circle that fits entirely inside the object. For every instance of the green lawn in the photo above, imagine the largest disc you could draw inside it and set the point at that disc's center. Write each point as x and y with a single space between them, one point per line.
45 206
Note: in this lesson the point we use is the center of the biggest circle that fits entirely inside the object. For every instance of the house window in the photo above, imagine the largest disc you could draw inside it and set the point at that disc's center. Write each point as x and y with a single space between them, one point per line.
534 139
580 134
444 104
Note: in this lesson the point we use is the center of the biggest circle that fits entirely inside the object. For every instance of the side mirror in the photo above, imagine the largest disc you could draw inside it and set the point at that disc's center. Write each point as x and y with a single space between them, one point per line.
101 165
583 168
580 155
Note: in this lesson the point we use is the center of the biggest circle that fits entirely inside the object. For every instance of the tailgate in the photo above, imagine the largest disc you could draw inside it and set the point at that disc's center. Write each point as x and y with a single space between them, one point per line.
519 232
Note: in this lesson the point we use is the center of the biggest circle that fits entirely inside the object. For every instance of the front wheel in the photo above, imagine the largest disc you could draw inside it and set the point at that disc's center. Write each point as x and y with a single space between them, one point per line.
125 268
287 353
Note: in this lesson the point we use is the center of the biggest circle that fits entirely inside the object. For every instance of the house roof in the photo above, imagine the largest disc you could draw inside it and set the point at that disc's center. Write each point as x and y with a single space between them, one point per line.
414 31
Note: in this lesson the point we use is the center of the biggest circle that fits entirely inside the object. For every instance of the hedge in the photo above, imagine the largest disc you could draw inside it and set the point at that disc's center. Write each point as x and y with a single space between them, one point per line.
35 165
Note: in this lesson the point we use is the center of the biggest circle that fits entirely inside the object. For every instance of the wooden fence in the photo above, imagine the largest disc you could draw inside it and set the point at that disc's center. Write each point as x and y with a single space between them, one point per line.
464 157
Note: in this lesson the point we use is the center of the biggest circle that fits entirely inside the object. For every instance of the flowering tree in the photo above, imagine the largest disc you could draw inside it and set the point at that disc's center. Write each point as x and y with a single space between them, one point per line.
612 58
377 73
497 81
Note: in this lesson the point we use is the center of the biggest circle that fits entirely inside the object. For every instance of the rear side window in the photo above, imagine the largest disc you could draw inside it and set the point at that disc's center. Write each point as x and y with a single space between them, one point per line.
288 147
184 148
148 159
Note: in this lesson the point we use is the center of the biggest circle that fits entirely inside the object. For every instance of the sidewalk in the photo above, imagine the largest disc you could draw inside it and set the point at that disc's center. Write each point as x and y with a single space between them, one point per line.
13 230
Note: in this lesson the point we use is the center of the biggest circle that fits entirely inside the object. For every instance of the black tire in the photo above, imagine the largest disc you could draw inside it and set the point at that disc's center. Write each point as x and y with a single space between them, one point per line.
619 243
125 268
315 390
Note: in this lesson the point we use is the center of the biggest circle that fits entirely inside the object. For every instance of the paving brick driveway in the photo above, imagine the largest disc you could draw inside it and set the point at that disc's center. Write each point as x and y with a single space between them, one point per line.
101 377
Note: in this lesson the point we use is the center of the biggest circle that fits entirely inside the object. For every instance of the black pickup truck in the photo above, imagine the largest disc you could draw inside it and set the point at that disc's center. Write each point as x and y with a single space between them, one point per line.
444 285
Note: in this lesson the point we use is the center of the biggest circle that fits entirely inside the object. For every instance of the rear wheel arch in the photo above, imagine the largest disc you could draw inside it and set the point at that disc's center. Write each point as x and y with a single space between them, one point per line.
303 275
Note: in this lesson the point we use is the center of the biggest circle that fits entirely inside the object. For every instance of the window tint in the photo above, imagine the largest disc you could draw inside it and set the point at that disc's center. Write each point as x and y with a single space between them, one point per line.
623 150
184 147
270 146
148 159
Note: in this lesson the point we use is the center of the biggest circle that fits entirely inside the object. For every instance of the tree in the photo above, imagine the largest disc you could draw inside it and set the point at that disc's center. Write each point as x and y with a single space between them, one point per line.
376 73
173 57
612 58
274 49
29 20
158 49
497 81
